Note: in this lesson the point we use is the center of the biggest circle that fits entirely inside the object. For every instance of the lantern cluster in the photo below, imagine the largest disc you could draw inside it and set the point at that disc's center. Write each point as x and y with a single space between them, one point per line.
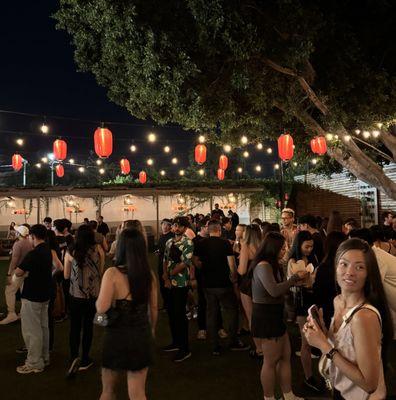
223 165
319 145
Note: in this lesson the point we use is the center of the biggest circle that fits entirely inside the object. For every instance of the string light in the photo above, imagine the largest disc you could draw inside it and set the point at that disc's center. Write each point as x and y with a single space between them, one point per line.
201 139
175 160
244 140
99 162
380 124
181 172
239 170
201 172
357 131
19 142
133 148
246 154
227 148
162 172
152 137
150 161
44 129
366 134
44 159
295 164
81 169
314 161
376 134
276 166
166 149
347 138
38 165
269 150
259 146
51 156
101 171
258 168
336 137
329 136
71 161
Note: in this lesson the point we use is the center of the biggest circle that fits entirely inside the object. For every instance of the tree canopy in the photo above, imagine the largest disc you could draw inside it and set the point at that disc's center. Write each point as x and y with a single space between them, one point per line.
252 67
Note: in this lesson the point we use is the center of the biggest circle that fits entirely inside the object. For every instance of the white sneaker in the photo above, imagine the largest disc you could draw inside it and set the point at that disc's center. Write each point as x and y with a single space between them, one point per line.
201 335
10 318
222 334
26 369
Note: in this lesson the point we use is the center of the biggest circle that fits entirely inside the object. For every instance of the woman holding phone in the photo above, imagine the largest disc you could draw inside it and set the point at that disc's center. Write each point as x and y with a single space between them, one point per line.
361 327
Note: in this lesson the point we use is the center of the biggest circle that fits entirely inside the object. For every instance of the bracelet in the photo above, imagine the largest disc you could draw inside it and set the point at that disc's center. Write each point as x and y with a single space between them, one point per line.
331 353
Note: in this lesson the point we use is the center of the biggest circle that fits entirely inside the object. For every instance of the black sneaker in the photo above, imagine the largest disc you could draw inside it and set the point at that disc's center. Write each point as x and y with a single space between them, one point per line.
71 372
315 384
216 351
181 356
170 348
21 350
239 346
85 364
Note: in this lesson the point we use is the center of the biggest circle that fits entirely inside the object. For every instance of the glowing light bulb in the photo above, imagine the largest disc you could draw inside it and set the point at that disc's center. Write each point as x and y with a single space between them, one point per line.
51 156
151 137
227 148
269 150
380 124
19 142
258 168
239 170
201 172
150 161
201 139
295 164
259 146
347 138
81 169
314 161
357 131
329 136
133 148
166 149
276 166
366 134
244 139
44 129
38 165
99 162
246 154
175 160
44 159
181 172
71 161
101 171
162 172
376 134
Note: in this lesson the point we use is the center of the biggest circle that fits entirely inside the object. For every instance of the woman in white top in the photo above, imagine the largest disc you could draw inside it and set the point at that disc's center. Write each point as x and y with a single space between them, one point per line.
361 327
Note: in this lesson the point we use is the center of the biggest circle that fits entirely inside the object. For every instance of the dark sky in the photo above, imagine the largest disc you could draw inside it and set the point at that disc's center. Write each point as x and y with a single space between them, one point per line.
38 75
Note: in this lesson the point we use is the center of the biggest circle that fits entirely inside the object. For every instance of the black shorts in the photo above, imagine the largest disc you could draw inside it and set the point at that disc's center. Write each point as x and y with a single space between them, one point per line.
268 321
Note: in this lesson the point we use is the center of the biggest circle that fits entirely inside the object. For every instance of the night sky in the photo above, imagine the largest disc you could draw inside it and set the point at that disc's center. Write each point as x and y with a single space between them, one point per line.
38 75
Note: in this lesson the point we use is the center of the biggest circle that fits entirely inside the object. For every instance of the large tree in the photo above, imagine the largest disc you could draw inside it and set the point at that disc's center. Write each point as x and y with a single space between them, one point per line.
249 66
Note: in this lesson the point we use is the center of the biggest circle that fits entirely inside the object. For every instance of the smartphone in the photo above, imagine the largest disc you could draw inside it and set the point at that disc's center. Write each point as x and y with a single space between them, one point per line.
313 312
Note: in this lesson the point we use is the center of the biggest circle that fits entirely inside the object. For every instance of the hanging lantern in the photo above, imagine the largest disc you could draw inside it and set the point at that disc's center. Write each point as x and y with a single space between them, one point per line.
200 153
220 174
17 162
223 162
125 166
285 147
319 145
103 139
60 150
142 177
60 171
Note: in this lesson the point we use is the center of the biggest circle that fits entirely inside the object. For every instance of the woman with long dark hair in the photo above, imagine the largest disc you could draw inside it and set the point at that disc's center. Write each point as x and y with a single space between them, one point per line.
300 257
324 287
361 327
130 290
82 267
268 289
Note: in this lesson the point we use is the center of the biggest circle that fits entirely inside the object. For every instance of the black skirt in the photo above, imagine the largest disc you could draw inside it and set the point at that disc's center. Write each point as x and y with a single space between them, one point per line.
268 321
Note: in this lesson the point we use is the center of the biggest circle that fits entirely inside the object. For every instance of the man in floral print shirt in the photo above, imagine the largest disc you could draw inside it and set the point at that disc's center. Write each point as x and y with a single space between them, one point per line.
177 263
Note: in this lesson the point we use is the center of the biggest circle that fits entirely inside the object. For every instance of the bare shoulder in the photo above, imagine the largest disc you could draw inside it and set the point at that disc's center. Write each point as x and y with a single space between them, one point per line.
337 302
110 273
365 317
366 322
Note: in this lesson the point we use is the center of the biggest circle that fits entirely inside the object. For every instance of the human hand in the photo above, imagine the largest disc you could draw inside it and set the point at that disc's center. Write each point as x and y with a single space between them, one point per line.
8 280
167 283
315 336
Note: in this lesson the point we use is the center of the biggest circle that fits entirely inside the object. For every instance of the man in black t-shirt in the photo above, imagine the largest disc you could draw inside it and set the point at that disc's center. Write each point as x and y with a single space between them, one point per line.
103 228
215 257
37 267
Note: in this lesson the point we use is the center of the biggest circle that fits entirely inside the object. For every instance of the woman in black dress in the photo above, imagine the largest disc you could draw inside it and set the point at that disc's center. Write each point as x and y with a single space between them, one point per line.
130 290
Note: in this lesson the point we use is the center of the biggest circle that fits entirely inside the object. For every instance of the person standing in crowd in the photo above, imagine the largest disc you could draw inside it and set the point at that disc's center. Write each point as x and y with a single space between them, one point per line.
308 223
86 221
228 232
11 233
250 243
386 217
324 287
217 211
177 263
35 297
82 267
302 252
234 218
239 233
379 237
268 326
47 221
334 223
103 228
349 225
288 230
129 288
20 248
394 223
100 239
217 263
166 234
361 322
136 224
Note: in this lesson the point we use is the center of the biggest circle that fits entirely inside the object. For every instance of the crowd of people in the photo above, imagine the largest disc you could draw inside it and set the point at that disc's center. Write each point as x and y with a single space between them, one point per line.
245 284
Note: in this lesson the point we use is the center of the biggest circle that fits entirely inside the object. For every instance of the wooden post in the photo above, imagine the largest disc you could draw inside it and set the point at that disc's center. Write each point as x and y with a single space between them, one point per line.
157 209
38 209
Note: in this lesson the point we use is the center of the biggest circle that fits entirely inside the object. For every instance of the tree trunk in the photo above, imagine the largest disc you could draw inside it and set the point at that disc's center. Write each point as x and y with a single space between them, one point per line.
389 141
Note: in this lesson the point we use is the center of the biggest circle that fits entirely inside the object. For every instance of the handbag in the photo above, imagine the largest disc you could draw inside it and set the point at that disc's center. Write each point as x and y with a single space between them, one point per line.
106 319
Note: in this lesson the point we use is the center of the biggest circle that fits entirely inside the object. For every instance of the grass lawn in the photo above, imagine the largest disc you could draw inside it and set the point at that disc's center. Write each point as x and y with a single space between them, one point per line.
233 376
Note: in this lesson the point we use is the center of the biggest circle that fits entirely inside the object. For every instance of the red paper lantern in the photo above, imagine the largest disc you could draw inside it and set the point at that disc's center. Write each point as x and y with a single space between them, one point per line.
103 139
125 166
200 153
60 171
142 177
60 150
223 162
319 145
285 147
220 174
17 162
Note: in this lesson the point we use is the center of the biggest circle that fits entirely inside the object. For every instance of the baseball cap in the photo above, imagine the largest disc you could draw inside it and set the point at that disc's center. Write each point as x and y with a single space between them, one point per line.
22 230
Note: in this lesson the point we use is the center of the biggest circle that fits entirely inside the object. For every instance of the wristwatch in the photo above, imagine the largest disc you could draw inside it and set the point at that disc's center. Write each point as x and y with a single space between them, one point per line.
331 353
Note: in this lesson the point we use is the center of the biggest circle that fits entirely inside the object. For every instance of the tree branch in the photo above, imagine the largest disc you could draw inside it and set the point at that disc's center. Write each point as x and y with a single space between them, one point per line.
303 83
389 141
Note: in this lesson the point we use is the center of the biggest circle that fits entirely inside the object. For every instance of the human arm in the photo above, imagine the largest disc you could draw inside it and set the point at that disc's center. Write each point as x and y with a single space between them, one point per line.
16 255
243 259
25 265
185 258
232 266
56 263
366 332
101 258
104 243
153 303
68 265
106 293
